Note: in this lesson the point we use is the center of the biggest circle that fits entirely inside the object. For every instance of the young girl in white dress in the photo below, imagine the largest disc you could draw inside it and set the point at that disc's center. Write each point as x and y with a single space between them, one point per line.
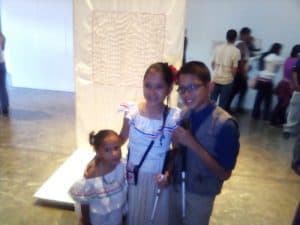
101 196
149 122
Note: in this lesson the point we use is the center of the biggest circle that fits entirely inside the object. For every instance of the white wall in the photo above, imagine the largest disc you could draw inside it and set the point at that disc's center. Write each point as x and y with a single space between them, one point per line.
39 33
271 21
39 43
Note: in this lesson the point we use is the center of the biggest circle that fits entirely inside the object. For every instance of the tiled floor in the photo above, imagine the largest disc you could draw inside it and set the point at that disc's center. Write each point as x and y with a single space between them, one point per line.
40 134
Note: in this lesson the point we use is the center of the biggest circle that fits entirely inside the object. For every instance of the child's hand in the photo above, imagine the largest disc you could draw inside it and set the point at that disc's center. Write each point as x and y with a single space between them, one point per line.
183 136
162 180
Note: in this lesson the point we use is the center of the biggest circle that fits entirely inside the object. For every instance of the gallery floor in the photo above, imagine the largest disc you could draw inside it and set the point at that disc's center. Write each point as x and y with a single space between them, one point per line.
40 134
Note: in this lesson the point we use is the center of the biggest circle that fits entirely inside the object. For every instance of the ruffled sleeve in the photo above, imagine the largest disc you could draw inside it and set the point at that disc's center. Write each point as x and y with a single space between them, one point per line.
130 109
81 191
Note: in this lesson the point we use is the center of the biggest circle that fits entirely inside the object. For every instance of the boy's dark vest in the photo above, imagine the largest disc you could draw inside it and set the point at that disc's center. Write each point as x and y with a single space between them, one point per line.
199 179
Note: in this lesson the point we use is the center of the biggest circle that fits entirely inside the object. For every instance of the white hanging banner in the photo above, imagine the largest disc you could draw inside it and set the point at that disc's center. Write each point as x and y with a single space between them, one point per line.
114 43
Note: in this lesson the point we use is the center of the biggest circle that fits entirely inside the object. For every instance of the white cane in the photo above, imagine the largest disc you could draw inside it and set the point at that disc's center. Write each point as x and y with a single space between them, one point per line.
185 124
183 189
183 192
157 195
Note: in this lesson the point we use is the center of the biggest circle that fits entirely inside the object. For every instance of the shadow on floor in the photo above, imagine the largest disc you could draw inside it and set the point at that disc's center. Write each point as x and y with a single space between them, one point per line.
53 204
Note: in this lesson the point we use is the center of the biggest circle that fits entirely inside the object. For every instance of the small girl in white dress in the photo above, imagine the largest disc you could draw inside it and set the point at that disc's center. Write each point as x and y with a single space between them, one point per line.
143 123
101 195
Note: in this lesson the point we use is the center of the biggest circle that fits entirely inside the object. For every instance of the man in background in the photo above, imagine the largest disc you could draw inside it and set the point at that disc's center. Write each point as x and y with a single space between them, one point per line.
240 85
224 64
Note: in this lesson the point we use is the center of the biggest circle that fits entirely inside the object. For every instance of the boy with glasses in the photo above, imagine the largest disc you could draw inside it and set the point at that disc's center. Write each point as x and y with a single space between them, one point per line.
208 145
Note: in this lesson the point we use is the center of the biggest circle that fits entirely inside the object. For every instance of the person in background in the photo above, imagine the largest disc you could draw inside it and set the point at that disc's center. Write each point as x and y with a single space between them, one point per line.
4 102
292 126
224 64
240 85
271 62
251 46
209 139
284 89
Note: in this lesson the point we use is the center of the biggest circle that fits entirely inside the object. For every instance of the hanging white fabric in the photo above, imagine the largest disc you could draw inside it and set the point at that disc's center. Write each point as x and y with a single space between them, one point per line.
114 42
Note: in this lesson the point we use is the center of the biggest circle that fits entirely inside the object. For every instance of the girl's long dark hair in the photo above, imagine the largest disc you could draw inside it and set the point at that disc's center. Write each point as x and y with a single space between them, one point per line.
275 49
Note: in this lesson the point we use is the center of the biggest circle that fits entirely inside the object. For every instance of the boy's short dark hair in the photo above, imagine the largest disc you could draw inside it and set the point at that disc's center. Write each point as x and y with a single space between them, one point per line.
231 35
197 69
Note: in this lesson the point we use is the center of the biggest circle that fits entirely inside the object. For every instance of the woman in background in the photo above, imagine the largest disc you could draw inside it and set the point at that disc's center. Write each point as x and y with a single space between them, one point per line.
270 62
292 126
285 89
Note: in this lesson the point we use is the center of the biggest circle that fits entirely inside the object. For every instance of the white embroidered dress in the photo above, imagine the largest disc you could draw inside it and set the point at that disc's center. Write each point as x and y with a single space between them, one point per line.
106 196
141 132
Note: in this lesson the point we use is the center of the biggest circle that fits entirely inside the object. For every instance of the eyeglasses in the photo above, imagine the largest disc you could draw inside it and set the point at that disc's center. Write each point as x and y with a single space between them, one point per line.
189 88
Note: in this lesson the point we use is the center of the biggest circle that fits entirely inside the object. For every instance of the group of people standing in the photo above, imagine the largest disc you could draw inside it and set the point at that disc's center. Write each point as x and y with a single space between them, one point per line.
231 65
158 185
287 109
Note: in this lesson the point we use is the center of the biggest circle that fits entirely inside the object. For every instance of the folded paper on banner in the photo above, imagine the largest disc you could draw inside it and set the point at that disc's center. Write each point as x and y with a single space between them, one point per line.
115 41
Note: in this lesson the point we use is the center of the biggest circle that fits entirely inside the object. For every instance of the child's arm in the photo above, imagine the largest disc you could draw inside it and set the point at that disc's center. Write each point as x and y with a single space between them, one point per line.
78 193
171 160
85 214
90 168
164 178
163 181
124 131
